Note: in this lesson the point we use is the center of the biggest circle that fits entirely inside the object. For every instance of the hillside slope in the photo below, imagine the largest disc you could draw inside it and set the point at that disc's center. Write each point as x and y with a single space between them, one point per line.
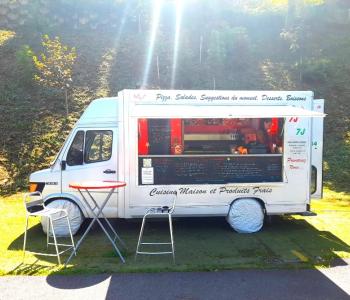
222 47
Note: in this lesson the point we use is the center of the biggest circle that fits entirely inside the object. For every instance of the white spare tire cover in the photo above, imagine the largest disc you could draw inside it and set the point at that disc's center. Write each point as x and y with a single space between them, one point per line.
246 215
61 226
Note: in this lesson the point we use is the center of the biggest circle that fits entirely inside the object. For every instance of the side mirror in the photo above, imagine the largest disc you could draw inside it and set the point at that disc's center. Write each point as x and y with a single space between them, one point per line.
63 165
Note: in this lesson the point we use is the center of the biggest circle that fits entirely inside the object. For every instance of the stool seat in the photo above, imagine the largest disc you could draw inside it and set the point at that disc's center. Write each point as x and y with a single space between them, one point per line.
46 211
158 210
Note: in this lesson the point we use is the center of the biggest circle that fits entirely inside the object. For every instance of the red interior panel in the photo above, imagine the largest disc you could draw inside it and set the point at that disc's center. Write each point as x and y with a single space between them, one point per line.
143 144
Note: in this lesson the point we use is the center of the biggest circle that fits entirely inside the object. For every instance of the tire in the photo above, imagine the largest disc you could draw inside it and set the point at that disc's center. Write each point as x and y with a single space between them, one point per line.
75 216
246 215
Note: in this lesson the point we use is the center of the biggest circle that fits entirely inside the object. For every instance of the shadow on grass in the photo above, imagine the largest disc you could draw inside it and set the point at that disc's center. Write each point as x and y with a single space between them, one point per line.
202 244
30 269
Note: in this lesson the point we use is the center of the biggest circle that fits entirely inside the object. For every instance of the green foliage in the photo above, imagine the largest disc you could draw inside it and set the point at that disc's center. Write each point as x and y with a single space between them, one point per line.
337 165
227 44
55 64
277 6
24 59
292 37
317 71
300 2
5 36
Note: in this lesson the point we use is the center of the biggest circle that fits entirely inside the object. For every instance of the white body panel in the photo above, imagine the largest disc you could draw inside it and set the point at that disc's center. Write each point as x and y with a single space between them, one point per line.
317 148
292 195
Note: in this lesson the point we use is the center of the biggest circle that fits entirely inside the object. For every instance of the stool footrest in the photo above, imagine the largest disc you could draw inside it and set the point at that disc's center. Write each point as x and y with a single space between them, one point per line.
48 254
154 253
155 243
63 245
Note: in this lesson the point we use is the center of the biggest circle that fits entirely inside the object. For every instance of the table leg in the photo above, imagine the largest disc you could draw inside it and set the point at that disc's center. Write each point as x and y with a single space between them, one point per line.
99 212
80 241
101 225
109 224
92 223
111 240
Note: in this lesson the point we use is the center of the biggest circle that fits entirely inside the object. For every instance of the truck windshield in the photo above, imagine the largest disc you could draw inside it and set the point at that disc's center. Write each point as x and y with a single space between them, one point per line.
53 162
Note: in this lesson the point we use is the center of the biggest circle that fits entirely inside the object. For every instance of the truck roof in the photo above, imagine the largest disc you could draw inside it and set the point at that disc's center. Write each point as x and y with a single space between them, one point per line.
101 111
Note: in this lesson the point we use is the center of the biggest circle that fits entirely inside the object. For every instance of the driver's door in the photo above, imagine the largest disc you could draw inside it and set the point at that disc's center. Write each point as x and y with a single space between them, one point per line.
92 156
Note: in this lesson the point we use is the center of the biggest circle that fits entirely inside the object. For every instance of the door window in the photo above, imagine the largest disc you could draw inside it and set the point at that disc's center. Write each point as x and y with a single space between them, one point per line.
98 146
90 146
75 152
313 186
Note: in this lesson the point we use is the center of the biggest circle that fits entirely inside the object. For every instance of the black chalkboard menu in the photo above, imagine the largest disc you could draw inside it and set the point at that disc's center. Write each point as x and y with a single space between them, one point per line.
159 136
214 170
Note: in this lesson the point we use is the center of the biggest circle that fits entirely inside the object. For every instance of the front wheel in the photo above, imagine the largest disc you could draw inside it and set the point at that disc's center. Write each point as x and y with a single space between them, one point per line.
75 216
246 215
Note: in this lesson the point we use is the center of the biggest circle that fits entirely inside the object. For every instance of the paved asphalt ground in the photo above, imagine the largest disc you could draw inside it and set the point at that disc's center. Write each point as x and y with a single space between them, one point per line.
332 283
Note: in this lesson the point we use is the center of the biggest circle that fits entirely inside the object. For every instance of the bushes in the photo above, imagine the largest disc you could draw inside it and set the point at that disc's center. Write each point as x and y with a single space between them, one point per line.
317 71
24 60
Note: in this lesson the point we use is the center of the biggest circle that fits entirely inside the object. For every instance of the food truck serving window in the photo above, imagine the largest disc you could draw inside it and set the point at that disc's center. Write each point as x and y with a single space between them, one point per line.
210 150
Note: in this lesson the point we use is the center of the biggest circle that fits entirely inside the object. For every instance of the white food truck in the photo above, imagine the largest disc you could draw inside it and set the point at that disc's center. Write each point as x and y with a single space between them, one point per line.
238 154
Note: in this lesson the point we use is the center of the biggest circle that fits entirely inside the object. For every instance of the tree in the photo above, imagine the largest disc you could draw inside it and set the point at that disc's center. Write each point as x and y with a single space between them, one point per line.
54 67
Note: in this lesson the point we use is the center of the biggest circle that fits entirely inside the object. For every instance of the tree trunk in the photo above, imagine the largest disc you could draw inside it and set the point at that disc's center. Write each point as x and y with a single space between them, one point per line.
158 73
200 49
66 102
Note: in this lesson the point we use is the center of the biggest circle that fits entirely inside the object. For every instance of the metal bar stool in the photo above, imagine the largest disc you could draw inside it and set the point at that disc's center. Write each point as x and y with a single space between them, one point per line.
164 211
36 208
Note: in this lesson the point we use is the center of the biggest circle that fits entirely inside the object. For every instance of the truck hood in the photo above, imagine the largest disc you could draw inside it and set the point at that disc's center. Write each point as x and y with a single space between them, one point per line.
39 176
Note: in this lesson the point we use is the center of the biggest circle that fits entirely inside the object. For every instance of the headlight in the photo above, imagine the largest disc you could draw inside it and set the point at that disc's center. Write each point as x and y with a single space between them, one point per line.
36 187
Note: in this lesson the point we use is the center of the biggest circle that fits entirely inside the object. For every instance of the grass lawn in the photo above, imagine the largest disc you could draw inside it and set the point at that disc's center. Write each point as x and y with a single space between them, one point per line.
201 243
